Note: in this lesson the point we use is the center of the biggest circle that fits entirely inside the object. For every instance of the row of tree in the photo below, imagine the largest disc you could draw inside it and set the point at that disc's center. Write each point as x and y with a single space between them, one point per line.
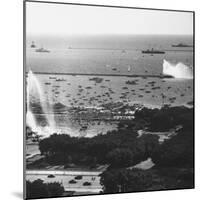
118 148
166 118
135 180
123 147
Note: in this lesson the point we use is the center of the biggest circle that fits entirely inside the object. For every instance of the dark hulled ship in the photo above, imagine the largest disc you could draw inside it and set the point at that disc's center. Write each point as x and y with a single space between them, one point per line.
153 51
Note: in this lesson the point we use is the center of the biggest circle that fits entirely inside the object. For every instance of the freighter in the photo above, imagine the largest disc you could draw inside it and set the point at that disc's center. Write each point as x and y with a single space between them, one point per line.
153 51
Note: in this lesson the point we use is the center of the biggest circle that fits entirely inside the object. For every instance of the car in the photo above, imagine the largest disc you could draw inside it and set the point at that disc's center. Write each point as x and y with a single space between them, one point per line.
79 177
87 183
72 181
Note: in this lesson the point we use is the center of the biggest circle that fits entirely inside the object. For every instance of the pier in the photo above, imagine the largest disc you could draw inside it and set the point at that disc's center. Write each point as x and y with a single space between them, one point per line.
94 74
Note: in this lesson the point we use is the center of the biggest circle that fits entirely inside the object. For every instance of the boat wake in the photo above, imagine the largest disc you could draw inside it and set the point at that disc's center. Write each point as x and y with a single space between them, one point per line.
179 70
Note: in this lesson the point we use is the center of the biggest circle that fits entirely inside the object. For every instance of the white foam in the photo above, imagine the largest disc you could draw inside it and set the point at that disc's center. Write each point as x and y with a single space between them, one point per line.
34 89
179 70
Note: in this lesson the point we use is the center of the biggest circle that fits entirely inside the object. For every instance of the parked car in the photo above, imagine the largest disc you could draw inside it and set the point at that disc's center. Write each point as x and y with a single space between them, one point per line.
79 177
72 181
87 183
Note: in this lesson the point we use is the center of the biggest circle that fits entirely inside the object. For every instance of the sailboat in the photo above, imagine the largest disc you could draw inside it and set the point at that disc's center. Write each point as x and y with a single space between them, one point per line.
33 44
129 68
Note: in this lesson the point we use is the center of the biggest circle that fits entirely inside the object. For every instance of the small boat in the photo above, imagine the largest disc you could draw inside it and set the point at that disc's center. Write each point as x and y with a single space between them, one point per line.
42 50
60 79
33 44
153 51
52 77
51 176
83 128
181 45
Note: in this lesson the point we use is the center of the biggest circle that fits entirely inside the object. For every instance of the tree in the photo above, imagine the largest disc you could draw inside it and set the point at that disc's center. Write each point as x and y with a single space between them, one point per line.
148 144
176 152
120 157
125 180
39 189
36 189
161 121
135 180
55 189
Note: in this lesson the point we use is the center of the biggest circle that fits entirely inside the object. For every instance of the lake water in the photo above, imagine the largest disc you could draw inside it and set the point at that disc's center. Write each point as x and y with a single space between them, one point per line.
99 54
107 55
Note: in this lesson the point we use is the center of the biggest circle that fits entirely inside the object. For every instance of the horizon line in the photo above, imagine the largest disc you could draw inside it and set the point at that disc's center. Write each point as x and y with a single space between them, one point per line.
106 34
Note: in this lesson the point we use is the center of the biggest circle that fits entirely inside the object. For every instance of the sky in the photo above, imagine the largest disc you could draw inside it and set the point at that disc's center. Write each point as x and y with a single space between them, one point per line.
65 19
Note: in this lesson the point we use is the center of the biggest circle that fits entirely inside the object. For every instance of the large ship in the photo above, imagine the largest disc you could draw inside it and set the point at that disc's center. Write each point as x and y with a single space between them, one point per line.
42 50
153 51
181 45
